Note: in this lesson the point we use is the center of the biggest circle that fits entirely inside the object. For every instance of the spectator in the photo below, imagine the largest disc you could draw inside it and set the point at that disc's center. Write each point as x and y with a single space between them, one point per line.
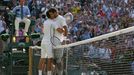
61 23
39 23
104 15
132 67
8 17
2 26
86 34
22 13
69 17
131 14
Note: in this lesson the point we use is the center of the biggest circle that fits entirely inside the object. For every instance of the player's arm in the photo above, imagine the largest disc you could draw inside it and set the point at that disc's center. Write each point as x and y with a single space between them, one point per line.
64 24
65 30
59 29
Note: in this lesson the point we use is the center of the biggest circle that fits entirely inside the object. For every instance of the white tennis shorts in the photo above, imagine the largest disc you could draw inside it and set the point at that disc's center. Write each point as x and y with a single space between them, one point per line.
46 50
58 53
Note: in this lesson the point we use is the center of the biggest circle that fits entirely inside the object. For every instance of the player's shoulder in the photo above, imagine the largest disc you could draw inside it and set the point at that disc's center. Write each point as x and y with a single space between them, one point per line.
60 17
47 21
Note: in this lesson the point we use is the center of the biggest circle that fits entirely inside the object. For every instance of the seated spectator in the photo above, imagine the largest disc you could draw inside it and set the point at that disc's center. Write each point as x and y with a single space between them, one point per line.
39 24
132 13
2 26
22 13
69 17
9 18
86 34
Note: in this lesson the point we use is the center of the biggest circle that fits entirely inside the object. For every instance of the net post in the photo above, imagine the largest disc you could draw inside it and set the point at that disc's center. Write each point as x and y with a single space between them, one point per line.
30 60
66 61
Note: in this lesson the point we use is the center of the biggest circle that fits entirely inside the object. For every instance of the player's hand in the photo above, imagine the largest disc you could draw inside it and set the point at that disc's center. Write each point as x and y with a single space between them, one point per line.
65 31
60 30
65 34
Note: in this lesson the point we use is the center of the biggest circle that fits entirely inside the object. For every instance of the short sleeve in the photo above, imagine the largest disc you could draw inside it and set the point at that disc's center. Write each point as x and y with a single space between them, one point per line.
63 21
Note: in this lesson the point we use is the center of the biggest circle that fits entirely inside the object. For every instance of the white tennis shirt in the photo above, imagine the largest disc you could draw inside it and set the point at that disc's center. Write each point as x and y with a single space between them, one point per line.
48 29
60 22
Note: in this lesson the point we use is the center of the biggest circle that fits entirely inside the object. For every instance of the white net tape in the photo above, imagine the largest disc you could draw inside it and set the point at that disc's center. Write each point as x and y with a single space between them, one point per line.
101 37
111 53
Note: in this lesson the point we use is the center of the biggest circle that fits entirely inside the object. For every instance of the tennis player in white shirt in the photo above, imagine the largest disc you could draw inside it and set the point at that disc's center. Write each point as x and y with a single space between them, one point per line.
58 37
46 44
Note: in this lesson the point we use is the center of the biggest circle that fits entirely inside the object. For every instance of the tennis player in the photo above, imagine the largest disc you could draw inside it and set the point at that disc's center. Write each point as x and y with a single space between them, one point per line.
58 37
46 45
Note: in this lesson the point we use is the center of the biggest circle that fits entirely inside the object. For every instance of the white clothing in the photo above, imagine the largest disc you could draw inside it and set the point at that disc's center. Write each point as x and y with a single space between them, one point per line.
131 13
104 53
46 50
58 54
1 26
44 10
46 44
48 30
68 17
49 72
60 21
40 72
126 1
25 20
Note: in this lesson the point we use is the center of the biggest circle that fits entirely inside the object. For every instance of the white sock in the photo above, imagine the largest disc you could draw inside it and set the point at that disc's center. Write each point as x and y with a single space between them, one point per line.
83 73
40 72
49 72
60 72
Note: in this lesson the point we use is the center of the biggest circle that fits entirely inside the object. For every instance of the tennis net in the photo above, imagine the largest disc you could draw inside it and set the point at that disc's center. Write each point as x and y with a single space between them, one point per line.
108 54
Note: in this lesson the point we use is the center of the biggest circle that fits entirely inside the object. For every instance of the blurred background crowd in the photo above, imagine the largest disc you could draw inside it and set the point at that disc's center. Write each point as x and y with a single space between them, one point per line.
91 17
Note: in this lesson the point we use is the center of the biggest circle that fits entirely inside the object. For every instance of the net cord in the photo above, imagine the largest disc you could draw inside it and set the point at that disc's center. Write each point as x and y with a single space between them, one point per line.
97 38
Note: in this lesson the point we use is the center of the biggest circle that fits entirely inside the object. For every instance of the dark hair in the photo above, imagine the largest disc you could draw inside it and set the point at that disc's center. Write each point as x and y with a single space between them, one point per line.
53 10
47 14
43 16
21 0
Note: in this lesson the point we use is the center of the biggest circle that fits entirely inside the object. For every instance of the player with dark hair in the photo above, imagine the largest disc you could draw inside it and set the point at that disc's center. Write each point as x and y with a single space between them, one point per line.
49 27
58 36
